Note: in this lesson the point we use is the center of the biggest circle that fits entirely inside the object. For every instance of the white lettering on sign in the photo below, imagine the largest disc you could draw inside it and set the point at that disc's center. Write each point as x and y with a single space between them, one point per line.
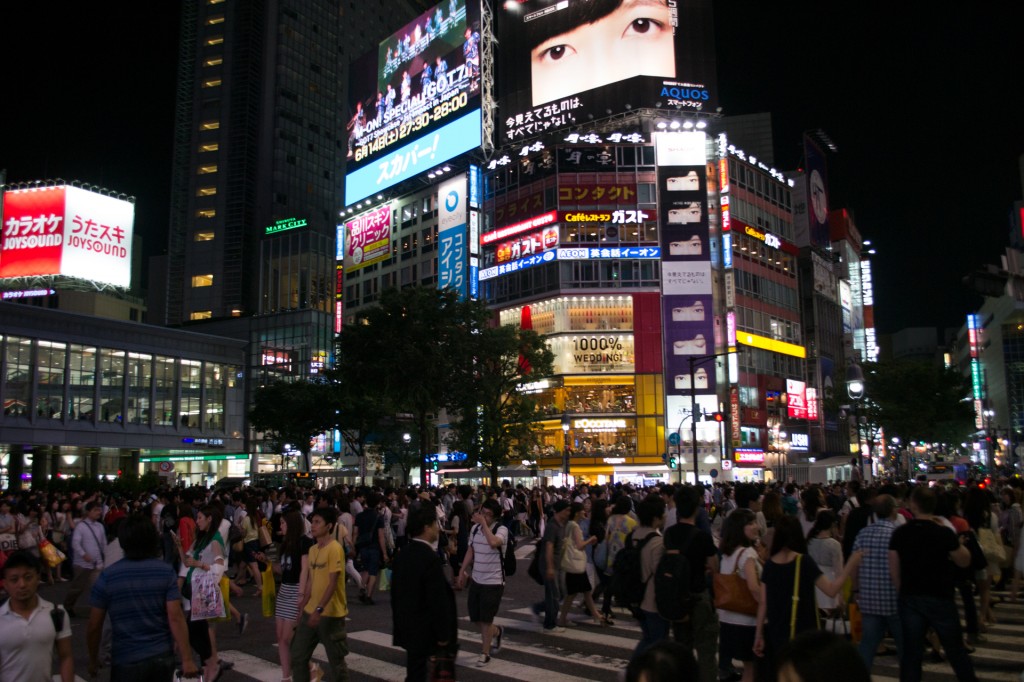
599 424
799 441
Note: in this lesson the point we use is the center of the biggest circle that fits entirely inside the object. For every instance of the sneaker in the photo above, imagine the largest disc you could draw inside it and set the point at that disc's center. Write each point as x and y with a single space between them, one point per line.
558 629
243 623
483 660
497 639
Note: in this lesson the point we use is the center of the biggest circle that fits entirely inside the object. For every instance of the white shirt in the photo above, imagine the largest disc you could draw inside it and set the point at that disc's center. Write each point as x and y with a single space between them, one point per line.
487 559
26 645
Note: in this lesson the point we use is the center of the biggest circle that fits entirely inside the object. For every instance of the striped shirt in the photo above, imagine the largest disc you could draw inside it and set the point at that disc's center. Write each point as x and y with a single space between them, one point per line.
487 559
878 595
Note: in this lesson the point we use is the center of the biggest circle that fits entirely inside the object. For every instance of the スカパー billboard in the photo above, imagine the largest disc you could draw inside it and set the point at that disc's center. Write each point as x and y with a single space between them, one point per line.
415 100
564 62
367 239
66 231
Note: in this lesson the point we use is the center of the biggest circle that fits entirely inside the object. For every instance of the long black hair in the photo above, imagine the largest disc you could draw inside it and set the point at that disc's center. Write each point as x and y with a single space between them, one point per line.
214 513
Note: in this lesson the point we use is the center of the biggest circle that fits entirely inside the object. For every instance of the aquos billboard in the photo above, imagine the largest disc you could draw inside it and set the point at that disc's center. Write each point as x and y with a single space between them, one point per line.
565 62
66 231
414 102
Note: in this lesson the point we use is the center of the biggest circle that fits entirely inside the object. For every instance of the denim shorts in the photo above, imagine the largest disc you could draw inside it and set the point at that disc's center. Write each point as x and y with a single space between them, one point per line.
369 557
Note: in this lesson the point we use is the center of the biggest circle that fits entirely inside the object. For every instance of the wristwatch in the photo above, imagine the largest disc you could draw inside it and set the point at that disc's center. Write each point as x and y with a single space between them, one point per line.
319 609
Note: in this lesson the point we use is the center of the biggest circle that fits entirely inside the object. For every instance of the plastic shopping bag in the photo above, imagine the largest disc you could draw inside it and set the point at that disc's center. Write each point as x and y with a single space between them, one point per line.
269 592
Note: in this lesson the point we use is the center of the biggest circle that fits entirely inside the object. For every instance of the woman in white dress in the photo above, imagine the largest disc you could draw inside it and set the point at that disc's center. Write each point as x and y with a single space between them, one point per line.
827 553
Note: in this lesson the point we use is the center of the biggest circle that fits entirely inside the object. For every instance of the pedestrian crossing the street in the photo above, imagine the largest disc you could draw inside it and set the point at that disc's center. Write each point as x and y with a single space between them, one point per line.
589 652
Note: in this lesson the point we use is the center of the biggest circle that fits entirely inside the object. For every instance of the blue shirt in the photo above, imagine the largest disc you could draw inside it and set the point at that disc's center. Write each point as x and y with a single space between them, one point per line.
135 595
878 595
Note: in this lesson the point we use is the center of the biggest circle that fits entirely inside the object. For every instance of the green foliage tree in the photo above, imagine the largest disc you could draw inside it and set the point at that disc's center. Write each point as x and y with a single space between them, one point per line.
918 401
489 418
293 413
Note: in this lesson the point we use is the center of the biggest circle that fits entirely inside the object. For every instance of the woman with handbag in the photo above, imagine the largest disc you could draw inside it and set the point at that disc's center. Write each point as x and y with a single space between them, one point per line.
199 580
787 606
737 590
574 565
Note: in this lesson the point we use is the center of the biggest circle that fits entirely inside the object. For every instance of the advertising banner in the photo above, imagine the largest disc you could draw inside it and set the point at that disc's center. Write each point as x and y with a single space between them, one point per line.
415 100
601 194
816 178
367 239
565 62
67 231
687 283
453 250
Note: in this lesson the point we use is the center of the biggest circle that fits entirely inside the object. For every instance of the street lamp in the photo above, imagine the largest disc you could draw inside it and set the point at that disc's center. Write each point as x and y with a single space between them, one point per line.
565 445
855 389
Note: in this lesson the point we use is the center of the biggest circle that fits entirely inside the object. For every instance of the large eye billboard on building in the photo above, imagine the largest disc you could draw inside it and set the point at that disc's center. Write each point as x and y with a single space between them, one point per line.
565 62
414 102
66 231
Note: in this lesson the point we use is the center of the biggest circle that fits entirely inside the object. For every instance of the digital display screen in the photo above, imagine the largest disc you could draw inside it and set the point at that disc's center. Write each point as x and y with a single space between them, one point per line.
564 62
414 102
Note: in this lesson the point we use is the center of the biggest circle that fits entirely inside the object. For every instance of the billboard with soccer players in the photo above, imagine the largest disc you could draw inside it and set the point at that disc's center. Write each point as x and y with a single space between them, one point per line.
565 62
414 102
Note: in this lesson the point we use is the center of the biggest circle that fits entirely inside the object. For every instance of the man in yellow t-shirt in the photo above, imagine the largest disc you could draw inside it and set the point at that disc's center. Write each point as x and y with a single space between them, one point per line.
323 606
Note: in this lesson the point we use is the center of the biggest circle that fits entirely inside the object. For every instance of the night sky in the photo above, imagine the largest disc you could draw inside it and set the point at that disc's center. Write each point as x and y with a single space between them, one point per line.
924 105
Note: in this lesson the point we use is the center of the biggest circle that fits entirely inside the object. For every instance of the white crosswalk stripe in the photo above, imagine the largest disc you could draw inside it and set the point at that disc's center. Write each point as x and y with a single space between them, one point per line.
589 652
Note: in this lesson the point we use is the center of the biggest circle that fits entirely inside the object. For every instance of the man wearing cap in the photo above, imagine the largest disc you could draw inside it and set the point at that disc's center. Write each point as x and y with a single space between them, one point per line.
551 546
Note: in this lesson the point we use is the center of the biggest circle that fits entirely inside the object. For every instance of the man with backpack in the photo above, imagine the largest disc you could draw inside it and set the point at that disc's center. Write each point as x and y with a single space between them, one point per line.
682 582
487 541
645 542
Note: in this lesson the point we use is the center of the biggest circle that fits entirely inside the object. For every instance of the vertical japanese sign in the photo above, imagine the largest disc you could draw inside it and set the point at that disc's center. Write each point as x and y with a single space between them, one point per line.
686 272
452 235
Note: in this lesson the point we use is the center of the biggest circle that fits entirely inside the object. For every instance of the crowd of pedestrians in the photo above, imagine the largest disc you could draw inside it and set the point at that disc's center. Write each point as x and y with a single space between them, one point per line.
763 571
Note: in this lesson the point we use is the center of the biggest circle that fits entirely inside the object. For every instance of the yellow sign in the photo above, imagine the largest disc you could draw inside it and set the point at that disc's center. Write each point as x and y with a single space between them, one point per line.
764 343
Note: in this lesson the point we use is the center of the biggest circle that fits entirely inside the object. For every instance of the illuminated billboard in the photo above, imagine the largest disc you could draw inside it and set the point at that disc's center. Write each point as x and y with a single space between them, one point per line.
414 102
367 239
564 62
68 231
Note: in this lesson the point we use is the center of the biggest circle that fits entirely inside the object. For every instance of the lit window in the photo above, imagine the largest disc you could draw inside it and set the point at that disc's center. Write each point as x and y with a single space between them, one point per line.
211 83
209 125
214 2
202 280
214 20
201 315
235 312
206 191
214 40
209 147
206 213
214 61
209 168
204 236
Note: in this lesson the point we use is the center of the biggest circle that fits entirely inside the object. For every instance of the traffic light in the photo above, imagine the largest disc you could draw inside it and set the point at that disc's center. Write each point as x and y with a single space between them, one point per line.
671 462
435 465
664 458
715 417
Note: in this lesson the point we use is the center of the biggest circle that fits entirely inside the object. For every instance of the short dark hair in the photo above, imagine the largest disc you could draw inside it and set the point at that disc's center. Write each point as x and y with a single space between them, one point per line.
650 508
789 534
23 559
687 501
328 514
139 538
420 518
734 530
666 660
491 506
821 655
925 499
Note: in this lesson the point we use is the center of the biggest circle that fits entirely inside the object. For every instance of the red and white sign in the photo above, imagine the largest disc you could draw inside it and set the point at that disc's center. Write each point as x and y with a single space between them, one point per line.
518 228
749 456
796 398
66 231
812 403
368 238
527 245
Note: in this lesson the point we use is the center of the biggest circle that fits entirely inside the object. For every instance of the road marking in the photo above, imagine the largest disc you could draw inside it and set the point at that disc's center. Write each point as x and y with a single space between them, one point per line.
267 671
554 653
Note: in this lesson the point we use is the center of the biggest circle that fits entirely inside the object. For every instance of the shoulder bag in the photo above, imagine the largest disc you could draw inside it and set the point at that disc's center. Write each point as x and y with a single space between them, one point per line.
573 560
732 592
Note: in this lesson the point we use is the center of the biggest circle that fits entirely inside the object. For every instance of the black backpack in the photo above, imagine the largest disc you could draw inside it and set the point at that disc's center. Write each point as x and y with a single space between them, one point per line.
672 594
627 585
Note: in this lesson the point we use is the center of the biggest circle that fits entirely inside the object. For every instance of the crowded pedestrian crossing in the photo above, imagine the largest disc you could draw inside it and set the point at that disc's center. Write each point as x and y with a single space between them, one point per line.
587 652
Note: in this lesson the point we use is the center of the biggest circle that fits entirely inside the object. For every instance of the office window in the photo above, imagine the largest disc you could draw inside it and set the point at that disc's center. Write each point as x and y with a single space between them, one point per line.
206 213
191 385
50 372
215 19
112 370
209 146
207 169
165 382
213 61
211 83
82 378
204 236
202 280
214 40
209 125
201 315
140 378
206 191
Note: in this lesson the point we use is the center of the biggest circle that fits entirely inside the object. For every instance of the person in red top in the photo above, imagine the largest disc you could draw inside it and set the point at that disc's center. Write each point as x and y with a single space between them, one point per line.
186 525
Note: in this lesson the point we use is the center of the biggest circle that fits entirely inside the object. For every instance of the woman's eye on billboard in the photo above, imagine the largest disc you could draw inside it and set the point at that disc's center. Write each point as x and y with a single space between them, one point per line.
635 39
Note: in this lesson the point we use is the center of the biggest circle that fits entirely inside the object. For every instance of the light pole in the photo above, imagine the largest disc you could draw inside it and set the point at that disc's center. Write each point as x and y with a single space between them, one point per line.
855 389
565 445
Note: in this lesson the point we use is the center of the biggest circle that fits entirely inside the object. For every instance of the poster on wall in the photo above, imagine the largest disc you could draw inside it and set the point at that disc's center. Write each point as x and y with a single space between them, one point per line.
687 283
565 62
367 239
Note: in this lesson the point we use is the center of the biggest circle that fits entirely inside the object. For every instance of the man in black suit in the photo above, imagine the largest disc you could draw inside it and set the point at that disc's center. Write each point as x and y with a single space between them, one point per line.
422 601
